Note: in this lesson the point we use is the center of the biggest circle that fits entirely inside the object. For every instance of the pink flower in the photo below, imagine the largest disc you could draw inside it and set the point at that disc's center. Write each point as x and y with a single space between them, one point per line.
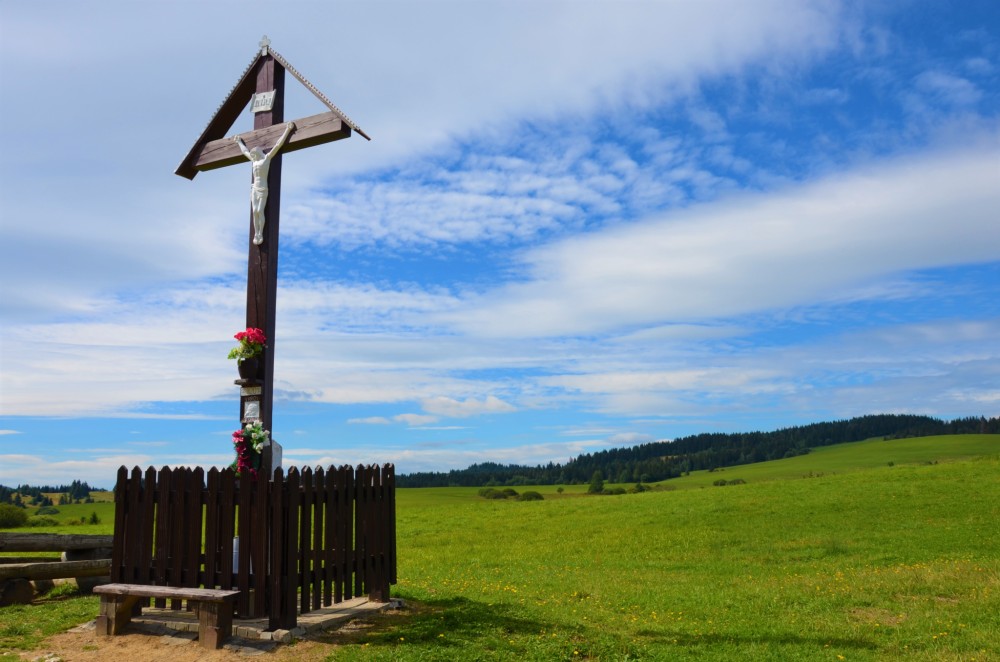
252 343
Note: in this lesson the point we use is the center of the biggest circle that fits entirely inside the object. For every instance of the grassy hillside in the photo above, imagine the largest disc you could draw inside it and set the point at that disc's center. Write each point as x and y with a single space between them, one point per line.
825 461
856 456
883 564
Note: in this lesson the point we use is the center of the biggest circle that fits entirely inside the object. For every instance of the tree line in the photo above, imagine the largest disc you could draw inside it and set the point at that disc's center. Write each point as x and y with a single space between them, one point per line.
660 460
24 495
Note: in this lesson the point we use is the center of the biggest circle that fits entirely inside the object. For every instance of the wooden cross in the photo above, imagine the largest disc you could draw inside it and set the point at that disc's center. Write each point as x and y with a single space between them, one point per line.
263 81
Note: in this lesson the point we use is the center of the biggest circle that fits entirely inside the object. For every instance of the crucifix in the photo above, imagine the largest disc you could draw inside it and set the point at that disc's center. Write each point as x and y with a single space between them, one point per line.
262 85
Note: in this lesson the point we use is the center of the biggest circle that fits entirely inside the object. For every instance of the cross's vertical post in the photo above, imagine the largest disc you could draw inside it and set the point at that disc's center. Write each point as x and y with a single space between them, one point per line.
262 265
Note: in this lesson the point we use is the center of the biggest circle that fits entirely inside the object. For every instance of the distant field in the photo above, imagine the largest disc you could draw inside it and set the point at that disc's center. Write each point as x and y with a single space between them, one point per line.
828 460
862 561
856 456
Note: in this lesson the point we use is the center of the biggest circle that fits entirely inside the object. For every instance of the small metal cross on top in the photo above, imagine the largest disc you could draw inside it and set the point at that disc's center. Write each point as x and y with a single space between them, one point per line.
263 86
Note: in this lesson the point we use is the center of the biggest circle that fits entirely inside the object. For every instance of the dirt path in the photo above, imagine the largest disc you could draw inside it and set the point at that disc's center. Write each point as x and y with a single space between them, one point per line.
146 644
88 647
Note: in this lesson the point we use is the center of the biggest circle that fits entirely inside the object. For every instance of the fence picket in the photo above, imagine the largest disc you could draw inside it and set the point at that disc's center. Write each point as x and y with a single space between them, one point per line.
305 537
194 485
258 543
245 498
227 527
331 537
347 531
210 576
275 577
118 551
319 480
162 531
389 521
291 570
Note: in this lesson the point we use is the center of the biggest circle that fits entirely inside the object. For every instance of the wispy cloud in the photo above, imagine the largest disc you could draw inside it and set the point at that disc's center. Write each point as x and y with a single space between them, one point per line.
450 407
754 253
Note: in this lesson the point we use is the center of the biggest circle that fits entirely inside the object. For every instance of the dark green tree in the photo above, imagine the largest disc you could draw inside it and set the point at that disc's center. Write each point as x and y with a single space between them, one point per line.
596 483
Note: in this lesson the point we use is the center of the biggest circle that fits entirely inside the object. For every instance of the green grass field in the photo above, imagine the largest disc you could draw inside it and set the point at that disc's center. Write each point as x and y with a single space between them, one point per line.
830 556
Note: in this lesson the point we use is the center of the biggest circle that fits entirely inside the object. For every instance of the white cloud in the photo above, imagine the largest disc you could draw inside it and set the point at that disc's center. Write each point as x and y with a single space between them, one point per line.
369 420
408 459
655 288
948 88
16 469
408 419
755 253
415 419
452 408
100 210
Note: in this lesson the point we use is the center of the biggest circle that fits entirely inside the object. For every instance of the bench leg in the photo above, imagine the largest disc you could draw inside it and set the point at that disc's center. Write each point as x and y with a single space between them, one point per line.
115 614
215 623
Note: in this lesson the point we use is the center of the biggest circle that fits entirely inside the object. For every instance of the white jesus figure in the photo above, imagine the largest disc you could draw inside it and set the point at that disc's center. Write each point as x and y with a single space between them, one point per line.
258 190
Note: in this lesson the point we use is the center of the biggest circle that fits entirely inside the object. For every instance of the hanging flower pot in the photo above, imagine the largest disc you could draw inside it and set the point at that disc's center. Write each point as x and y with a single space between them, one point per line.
248 368
247 352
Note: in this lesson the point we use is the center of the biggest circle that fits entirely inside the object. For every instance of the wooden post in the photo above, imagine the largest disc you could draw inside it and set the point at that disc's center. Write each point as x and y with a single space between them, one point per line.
262 264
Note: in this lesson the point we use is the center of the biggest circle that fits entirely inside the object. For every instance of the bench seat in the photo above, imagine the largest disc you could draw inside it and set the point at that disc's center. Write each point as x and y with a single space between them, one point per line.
214 608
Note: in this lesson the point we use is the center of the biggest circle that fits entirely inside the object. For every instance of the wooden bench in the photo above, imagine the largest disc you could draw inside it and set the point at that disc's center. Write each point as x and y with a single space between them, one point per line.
213 607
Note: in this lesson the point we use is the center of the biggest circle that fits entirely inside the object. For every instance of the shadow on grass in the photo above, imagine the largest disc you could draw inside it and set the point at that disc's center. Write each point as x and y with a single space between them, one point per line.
447 622
457 628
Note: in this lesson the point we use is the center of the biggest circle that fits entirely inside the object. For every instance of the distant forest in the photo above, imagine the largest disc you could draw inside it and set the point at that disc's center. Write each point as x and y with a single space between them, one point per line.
25 495
661 460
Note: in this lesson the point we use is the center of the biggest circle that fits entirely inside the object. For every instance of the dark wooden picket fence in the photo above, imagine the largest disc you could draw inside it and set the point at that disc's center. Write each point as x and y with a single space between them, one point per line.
306 540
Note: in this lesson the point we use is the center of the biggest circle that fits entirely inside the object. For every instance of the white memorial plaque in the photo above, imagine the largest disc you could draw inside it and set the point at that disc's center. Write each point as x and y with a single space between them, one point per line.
262 102
251 410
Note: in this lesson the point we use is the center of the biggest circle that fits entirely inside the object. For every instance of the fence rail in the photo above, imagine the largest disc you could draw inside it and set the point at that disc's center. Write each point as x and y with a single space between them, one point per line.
304 540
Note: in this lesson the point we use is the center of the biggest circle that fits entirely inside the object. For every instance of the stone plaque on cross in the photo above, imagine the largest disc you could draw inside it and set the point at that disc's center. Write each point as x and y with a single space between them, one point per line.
262 86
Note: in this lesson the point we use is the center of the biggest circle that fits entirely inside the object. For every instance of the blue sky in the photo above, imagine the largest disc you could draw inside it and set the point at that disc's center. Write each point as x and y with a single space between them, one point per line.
578 225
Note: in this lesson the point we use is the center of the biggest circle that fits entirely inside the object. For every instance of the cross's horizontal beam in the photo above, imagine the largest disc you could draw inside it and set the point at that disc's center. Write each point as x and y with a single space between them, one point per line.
309 131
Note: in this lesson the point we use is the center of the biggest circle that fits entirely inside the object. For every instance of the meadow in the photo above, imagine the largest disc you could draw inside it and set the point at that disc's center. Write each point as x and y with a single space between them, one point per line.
835 555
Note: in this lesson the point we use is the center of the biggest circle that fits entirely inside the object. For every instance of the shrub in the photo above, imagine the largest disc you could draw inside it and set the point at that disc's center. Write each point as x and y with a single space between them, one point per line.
531 495
94 519
43 521
614 490
491 493
12 517
719 482
508 492
47 510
